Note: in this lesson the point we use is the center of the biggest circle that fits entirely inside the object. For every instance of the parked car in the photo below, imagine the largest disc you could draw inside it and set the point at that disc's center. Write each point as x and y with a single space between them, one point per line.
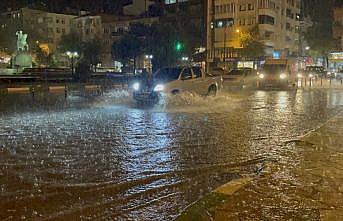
240 77
339 75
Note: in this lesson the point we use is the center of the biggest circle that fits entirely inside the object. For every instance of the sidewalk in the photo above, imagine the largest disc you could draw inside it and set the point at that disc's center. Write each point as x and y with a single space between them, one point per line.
306 183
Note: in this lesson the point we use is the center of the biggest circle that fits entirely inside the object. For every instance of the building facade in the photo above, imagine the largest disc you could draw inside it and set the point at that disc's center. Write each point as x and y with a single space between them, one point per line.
43 28
88 26
276 22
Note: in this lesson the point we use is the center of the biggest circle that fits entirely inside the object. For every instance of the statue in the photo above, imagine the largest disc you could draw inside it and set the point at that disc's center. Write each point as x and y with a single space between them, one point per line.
21 59
22 44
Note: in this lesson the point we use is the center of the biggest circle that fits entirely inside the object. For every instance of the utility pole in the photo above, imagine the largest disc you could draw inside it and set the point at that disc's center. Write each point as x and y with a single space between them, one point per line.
224 53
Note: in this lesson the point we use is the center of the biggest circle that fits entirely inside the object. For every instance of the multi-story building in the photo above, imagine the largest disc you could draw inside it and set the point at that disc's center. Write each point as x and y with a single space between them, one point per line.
276 22
43 28
88 26
337 28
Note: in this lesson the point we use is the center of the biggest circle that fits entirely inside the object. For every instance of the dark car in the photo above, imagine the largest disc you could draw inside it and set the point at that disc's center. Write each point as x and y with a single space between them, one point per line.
240 77
315 72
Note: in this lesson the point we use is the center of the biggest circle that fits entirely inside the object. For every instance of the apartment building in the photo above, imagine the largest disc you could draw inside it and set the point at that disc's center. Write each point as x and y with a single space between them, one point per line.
277 22
43 28
88 26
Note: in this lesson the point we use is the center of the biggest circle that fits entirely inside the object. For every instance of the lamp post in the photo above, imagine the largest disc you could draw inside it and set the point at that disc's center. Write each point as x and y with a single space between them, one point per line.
149 57
224 53
72 56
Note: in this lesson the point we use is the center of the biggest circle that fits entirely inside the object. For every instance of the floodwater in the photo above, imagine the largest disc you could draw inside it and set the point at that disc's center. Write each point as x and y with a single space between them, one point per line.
104 158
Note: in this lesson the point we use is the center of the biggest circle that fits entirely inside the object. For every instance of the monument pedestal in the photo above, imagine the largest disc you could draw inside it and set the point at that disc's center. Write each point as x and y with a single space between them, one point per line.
21 60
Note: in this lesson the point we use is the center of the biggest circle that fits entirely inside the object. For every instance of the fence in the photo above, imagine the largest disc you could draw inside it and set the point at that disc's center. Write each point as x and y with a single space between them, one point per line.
320 82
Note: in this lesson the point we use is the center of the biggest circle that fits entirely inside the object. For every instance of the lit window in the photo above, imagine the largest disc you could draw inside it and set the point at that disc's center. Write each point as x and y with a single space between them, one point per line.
169 1
220 24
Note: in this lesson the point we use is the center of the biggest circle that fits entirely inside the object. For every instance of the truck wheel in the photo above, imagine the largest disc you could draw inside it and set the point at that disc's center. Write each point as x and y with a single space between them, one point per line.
175 92
212 90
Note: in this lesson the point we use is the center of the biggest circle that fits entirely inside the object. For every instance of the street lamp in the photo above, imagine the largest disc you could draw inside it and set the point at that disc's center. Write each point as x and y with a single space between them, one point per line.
72 56
149 57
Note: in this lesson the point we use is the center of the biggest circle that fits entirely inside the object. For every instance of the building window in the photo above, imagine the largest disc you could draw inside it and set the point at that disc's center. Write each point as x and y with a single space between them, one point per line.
266 19
217 9
242 8
289 13
288 27
250 7
62 21
58 30
221 23
63 31
169 2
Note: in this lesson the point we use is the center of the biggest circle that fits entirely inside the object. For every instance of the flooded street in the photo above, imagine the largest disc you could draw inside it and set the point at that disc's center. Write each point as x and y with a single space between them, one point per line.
107 159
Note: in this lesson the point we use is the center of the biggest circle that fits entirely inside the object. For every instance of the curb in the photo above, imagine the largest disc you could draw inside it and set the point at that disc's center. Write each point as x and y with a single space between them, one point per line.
198 210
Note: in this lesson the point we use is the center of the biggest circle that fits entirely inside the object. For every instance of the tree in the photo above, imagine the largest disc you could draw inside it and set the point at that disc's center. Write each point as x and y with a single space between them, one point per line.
88 51
252 47
319 36
127 49
8 39
320 40
70 42
42 58
166 41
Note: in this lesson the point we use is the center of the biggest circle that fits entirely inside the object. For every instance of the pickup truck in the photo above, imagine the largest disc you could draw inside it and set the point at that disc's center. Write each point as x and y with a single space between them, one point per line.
191 79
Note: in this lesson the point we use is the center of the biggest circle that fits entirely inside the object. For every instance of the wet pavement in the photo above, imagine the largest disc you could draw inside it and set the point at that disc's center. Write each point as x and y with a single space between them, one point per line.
104 158
306 185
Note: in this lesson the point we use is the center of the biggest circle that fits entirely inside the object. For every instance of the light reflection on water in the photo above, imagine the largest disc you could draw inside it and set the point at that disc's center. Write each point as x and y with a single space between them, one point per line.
108 159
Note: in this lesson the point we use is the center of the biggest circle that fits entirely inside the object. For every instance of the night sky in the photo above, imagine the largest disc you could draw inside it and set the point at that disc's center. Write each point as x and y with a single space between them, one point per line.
105 6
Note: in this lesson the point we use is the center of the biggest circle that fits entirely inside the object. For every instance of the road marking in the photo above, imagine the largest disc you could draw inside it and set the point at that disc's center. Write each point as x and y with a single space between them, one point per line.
233 186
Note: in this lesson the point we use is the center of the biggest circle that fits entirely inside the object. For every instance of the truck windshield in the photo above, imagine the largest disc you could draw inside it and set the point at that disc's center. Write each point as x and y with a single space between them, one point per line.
167 74
274 69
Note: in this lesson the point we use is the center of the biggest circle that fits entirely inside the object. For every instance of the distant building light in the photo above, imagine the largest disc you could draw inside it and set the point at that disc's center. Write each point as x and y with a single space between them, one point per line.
276 55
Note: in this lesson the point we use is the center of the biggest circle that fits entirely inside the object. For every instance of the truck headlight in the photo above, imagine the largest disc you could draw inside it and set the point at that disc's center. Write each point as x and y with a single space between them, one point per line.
283 76
135 86
261 76
159 87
